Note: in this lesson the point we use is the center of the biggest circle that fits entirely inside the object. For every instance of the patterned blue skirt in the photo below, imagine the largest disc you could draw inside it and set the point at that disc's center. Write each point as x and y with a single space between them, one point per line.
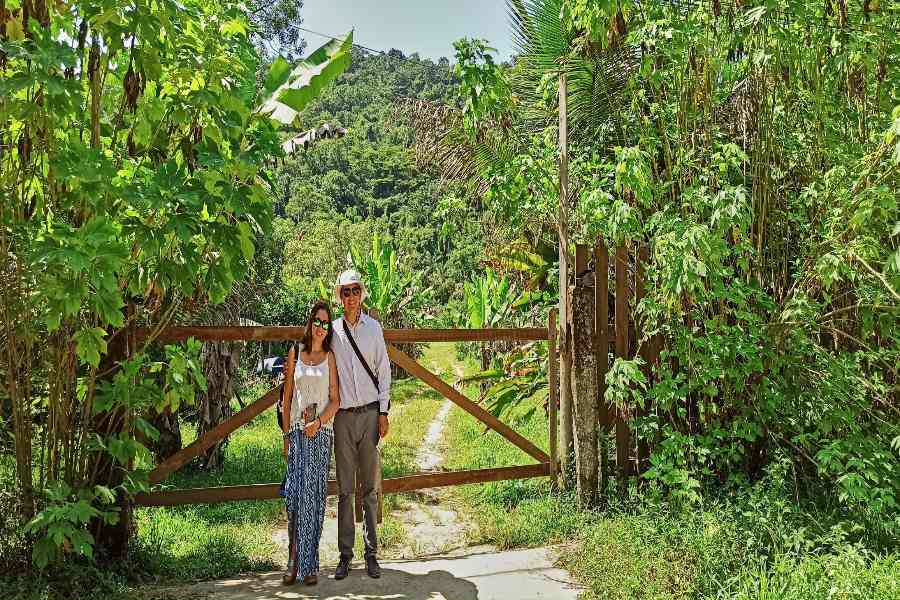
305 489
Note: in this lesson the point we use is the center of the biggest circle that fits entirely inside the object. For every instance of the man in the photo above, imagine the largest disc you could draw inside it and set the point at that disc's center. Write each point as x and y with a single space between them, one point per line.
365 381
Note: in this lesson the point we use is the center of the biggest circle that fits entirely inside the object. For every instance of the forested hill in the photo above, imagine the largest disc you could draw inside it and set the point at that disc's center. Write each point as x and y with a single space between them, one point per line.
346 190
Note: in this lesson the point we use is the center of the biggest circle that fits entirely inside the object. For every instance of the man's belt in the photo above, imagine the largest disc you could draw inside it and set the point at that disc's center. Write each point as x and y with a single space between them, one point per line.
363 408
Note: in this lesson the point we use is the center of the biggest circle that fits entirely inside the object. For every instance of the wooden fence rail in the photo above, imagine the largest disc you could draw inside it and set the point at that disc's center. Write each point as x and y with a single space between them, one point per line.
206 441
269 491
259 333
547 464
409 365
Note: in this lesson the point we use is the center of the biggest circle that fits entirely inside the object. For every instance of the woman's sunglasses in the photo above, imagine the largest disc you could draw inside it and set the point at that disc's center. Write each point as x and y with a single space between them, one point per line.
347 291
326 325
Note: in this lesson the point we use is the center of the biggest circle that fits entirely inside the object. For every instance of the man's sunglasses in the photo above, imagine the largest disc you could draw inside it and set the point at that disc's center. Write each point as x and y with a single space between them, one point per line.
347 291
326 325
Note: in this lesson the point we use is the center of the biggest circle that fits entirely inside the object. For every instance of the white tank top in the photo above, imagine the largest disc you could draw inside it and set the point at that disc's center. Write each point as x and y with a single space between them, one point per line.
310 387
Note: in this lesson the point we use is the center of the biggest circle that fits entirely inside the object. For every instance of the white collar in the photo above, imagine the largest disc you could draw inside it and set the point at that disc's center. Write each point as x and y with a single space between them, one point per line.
362 319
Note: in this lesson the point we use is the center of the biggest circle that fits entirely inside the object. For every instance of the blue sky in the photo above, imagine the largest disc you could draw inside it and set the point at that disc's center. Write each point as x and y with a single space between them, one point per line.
428 27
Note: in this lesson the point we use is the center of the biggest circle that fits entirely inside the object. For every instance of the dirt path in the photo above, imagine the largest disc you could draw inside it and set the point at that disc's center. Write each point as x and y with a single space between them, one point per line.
432 524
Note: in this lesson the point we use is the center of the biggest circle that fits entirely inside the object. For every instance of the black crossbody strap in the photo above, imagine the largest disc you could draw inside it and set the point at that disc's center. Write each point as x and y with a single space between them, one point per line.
360 356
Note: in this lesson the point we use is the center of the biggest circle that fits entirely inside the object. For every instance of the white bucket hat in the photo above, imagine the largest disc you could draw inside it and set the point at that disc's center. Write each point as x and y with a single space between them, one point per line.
350 277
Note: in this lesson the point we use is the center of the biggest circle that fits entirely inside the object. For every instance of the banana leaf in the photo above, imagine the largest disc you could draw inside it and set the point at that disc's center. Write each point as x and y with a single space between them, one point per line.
289 89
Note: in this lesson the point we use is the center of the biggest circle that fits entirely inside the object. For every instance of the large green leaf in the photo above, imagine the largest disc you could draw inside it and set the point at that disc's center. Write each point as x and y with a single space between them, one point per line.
288 90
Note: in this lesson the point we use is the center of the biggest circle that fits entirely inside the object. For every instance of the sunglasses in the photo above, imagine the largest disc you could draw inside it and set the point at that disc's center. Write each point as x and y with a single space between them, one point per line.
348 291
326 325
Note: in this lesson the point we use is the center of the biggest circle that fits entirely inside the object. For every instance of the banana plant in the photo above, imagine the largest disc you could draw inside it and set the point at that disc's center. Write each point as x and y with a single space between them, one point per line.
288 88
489 300
392 291
517 375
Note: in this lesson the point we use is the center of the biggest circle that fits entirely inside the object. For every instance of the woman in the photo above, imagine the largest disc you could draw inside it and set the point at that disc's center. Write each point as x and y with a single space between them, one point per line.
310 402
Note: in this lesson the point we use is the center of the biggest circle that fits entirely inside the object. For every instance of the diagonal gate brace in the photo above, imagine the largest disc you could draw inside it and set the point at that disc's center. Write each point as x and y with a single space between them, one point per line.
408 364
205 441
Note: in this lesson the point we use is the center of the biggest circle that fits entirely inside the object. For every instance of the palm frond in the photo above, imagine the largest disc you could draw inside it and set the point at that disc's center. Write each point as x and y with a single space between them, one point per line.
440 144
597 76
597 79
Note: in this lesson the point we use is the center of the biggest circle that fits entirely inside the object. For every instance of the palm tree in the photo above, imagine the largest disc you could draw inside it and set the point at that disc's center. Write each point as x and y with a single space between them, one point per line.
597 74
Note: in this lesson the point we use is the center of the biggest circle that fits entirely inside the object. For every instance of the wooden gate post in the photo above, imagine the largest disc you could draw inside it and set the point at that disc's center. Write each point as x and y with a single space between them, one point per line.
601 351
585 372
553 383
623 434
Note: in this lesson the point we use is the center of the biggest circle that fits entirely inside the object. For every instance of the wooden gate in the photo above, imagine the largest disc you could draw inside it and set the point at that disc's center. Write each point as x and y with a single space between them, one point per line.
603 293
545 464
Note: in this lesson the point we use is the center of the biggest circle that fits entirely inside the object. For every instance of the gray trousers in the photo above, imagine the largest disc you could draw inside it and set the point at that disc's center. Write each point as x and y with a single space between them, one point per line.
355 446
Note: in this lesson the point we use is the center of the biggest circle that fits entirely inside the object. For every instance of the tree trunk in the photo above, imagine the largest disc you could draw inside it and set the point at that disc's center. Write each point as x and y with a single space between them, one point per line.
485 364
169 441
220 363
22 430
112 538
565 338
587 414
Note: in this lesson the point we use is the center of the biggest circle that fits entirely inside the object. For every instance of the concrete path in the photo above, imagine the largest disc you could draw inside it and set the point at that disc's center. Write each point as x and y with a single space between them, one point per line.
511 575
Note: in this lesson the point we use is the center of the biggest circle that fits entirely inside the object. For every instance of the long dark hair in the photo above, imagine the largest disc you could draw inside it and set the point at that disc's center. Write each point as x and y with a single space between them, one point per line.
306 340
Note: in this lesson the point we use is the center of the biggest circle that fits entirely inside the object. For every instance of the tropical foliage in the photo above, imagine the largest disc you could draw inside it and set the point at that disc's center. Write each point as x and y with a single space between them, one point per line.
394 293
342 193
132 188
489 300
754 147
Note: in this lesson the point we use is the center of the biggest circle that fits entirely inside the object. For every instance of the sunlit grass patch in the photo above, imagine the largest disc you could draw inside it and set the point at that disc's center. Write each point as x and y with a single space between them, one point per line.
505 513
216 540
512 513
200 543
414 412
702 555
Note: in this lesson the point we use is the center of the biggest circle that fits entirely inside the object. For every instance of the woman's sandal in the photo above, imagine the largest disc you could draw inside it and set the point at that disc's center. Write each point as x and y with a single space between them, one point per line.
311 580
290 574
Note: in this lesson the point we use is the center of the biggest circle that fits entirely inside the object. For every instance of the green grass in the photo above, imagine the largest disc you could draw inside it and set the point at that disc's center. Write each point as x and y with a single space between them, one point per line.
506 513
216 540
705 554
219 540
760 546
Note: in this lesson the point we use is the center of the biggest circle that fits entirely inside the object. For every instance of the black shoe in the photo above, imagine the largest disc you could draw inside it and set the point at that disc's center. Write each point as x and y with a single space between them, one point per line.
343 568
372 567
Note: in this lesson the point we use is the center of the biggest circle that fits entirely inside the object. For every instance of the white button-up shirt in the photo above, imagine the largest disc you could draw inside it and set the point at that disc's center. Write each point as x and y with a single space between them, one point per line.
356 386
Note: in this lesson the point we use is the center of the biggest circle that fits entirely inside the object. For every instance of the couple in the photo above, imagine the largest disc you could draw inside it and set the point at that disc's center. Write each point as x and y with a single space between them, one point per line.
337 390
